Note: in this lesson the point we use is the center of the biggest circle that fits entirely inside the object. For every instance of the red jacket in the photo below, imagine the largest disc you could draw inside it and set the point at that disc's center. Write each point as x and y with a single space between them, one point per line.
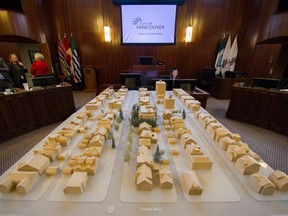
39 68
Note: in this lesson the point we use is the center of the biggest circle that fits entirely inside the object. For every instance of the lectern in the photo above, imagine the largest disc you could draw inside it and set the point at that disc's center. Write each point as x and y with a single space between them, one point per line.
89 72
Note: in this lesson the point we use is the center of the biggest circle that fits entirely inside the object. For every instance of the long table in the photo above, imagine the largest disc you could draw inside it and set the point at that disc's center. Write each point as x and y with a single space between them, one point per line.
27 110
231 195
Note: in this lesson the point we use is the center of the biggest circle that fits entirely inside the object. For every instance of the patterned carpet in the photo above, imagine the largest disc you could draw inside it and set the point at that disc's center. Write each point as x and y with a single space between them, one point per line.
272 147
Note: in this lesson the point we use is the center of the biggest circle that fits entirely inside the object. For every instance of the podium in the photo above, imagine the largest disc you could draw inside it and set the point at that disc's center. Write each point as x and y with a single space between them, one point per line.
89 72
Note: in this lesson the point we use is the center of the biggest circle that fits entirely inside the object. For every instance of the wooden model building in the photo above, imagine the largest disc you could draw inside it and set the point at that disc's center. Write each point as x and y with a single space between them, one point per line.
187 139
160 89
247 165
143 178
200 162
165 177
147 112
167 114
169 102
93 105
234 152
280 180
191 183
144 100
193 149
76 184
27 175
261 184
38 163
225 142
82 163
144 126
145 142
22 181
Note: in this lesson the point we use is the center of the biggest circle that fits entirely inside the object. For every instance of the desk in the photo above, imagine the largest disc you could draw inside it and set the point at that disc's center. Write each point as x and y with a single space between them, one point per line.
116 203
201 96
222 87
25 111
260 107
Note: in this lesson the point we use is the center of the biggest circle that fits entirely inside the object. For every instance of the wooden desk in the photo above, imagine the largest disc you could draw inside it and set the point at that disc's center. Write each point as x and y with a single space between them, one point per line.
201 96
222 87
25 111
260 107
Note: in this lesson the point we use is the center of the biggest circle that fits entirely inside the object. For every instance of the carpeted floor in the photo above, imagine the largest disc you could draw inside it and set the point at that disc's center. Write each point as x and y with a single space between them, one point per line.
272 147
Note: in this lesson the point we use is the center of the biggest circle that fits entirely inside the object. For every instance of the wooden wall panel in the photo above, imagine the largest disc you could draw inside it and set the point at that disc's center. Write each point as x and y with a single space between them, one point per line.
6 49
265 58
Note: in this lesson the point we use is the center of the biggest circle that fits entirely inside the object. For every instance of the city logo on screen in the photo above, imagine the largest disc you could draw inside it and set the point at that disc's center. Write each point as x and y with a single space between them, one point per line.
140 23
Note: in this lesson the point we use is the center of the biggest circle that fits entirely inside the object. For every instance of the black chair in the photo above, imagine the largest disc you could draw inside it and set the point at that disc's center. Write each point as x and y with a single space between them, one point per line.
206 78
164 77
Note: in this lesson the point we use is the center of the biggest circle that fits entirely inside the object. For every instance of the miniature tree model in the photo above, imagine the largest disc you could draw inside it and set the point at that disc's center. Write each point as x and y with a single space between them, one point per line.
121 114
119 120
127 156
157 155
109 135
113 143
183 114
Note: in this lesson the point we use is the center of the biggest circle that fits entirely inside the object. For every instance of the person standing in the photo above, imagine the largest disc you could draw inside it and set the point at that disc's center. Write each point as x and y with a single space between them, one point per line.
5 79
39 67
17 70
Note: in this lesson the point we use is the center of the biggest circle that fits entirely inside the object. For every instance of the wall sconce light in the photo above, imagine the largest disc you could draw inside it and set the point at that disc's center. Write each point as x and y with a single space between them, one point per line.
107 34
188 36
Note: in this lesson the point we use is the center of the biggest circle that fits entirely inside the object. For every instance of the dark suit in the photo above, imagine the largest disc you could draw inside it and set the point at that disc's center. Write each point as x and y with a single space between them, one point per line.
5 81
17 74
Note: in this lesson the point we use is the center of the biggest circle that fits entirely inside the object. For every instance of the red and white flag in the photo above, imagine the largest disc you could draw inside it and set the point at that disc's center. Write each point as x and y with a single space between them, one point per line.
69 55
63 58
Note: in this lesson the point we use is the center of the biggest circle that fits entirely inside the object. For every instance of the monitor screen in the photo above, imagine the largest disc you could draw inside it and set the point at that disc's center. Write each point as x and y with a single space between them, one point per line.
132 81
265 82
44 80
234 74
148 24
146 60
188 85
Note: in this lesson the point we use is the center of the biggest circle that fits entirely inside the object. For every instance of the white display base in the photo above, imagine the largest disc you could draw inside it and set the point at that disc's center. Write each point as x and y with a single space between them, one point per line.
44 181
264 168
130 194
97 185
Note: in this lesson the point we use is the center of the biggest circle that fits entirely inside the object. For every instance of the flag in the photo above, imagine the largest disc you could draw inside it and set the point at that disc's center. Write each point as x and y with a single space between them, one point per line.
219 57
75 61
69 55
233 55
224 63
63 58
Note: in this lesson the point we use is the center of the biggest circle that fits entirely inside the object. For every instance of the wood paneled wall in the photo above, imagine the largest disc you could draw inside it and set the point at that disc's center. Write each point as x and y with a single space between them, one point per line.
253 21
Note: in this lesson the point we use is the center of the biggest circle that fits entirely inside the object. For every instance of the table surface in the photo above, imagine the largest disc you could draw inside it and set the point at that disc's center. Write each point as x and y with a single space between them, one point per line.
112 191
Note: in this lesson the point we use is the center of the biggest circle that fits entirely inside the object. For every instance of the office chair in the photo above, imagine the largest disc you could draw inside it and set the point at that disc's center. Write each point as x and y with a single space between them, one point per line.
206 78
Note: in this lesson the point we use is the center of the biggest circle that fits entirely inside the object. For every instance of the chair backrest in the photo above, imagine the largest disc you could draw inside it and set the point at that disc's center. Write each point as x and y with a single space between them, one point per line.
207 76
164 77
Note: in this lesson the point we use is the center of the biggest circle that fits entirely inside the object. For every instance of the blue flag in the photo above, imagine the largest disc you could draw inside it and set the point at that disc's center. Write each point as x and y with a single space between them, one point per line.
219 58
75 61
